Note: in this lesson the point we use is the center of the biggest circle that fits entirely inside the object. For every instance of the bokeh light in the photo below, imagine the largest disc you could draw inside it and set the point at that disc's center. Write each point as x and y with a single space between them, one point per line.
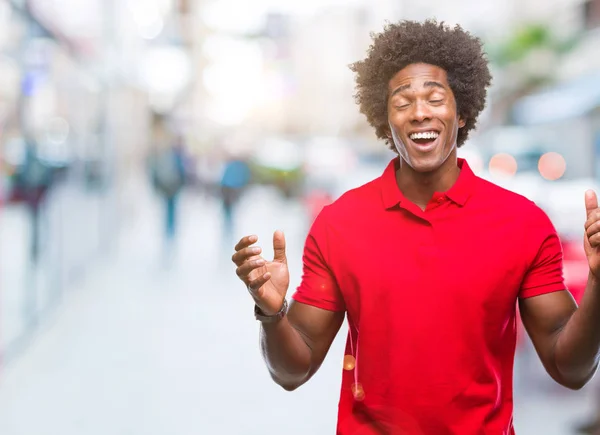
552 166
57 130
349 362
503 164
358 392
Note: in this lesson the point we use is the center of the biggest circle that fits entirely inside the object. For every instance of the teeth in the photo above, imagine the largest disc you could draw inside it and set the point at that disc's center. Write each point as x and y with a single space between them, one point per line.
425 135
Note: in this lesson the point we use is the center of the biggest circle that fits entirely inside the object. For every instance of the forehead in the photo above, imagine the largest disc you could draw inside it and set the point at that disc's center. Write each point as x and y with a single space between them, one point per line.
417 74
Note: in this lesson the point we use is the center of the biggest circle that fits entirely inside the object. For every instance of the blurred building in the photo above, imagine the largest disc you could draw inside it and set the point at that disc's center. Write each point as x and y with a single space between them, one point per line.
80 81
563 113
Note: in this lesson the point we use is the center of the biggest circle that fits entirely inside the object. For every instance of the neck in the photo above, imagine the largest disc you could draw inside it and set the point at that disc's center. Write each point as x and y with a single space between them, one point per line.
419 187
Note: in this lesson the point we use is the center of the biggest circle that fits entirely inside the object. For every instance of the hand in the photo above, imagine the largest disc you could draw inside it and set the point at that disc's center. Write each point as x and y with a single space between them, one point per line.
591 241
267 281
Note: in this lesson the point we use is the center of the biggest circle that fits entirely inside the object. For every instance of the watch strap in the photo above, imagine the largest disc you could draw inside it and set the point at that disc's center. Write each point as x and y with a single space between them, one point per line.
262 317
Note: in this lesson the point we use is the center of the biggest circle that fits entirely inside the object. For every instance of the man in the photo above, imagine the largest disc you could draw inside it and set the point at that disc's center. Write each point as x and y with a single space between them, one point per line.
428 263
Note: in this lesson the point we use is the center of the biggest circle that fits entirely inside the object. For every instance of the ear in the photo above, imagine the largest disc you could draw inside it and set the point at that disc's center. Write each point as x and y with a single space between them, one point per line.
461 122
388 133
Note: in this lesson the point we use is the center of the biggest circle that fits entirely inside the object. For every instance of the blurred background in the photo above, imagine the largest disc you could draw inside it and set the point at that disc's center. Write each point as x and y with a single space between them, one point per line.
139 139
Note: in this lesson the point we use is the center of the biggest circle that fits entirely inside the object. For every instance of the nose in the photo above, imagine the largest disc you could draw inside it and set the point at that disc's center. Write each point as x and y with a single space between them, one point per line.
420 112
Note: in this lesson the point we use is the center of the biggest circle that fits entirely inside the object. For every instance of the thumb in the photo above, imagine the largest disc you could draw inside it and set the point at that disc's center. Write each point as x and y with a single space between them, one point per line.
591 202
279 246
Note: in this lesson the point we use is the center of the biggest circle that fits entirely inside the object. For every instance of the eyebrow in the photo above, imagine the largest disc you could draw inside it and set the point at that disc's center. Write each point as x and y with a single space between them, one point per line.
429 84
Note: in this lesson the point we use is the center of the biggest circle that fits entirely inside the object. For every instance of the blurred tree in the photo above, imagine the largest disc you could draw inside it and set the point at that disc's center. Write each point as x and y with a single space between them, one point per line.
525 61
529 39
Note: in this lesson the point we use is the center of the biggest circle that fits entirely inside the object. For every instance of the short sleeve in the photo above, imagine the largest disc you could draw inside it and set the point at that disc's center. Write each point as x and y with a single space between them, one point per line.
318 286
545 272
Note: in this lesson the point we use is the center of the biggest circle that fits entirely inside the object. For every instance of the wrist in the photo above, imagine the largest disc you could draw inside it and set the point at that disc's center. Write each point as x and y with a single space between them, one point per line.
594 279
271 318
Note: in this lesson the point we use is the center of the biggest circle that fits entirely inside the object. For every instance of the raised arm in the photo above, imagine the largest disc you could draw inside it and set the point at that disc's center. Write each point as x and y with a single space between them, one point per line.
567 338
293 346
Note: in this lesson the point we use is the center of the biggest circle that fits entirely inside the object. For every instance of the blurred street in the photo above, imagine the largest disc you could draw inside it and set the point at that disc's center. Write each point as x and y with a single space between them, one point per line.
140 139
140 347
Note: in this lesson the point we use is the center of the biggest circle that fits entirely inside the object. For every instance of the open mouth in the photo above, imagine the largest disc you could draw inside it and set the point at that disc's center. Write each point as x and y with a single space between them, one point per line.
424 139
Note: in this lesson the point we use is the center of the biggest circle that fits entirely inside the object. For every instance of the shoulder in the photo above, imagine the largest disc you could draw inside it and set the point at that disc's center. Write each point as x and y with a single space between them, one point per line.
499 193
359 198
507 200
347 212
515 207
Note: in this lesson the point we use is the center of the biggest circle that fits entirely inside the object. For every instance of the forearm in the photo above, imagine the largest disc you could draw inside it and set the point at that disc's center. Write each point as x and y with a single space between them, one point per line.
578 342
286 354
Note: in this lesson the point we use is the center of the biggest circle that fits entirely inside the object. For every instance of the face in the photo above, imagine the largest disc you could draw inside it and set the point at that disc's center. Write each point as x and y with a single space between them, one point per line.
422 116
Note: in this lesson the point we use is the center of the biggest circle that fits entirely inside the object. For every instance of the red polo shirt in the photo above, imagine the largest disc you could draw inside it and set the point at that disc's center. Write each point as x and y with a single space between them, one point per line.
431 300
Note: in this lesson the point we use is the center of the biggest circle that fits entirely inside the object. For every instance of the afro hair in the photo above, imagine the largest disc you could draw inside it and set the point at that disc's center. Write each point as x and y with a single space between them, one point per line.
454 50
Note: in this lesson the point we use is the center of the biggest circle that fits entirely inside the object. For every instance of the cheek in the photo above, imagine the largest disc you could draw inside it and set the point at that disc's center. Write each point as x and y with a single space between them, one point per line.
453 123
397 123
394 119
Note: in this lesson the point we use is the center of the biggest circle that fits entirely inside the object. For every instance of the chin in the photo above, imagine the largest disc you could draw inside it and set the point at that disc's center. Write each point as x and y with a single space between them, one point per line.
425 165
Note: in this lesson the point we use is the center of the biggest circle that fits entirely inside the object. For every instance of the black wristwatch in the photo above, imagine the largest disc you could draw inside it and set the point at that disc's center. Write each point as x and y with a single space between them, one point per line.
262 317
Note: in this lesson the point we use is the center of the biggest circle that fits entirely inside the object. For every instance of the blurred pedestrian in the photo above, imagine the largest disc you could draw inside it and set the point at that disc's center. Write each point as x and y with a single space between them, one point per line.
427 262
32 181
168 171
234 180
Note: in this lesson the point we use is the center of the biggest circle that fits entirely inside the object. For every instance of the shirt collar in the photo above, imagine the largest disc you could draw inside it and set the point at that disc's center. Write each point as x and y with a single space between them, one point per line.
459 193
